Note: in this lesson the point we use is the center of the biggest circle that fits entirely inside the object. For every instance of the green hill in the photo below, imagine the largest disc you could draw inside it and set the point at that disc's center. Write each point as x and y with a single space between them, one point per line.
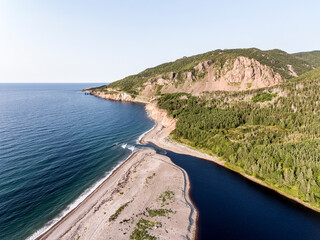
312 58
276 59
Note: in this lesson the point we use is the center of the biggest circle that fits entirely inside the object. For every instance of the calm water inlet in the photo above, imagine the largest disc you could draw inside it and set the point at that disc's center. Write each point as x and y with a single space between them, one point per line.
232 207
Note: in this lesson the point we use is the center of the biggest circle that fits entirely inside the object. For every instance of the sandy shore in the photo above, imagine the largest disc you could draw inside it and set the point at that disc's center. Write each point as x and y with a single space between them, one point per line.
159 135
145 185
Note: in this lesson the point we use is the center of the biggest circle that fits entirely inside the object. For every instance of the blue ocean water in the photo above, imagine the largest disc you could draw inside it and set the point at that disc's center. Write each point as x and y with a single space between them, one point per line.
55 144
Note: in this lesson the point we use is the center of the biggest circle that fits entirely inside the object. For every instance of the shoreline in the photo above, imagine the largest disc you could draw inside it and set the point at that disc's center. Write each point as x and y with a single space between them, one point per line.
120 169
54 225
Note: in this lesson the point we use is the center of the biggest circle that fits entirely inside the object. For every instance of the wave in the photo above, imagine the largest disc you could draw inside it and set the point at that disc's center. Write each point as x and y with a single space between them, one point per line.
76 202
130 147
115 144
143 134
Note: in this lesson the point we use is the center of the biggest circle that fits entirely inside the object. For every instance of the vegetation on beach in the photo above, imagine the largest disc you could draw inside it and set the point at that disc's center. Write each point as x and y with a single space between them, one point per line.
166 198
117 213
277 142
141 230
149 178
159 212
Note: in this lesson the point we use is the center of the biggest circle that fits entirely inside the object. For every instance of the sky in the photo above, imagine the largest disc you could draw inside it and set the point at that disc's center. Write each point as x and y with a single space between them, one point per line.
102 41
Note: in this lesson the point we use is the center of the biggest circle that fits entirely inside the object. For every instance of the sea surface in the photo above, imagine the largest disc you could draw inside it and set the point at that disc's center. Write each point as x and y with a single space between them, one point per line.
56 144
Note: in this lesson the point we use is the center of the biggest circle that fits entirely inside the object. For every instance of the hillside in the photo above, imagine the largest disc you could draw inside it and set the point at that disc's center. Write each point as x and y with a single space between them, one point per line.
272 134
268 128
312 58
219 70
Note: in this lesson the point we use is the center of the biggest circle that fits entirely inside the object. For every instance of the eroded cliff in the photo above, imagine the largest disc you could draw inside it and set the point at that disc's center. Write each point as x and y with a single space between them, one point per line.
236 74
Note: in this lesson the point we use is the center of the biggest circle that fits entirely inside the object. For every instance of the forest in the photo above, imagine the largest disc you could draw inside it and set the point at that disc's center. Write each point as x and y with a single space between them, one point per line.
272 134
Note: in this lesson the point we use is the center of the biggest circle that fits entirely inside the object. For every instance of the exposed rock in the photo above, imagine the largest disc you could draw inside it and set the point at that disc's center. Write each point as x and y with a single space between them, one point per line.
160 115
239 74
119 96
292 72
201 67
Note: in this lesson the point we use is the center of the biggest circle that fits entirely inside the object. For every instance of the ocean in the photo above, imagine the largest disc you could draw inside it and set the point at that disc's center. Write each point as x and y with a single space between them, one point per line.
56 145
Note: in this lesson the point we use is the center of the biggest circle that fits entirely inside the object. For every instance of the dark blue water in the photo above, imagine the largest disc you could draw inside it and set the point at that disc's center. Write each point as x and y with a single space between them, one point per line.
232 207
55 143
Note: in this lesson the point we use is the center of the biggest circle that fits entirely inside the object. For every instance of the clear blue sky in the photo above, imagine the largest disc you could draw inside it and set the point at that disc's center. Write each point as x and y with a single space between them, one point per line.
103 41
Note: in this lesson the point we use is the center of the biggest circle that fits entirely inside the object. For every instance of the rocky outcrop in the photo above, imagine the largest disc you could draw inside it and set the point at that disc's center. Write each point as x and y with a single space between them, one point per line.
119 96
291 71
237 74
161 117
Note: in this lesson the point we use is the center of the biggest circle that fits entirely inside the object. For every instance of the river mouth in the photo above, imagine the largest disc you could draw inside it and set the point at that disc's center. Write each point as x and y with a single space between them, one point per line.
233 207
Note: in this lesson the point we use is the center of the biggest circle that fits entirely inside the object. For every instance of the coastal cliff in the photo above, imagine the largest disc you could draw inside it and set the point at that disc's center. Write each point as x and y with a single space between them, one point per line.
161 116
118 96
237 74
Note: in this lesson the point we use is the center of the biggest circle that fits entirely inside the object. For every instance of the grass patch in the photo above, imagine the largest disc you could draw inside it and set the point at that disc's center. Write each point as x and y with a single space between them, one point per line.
159 212
166 197
201 75
159 87
149 178
117 213
141 230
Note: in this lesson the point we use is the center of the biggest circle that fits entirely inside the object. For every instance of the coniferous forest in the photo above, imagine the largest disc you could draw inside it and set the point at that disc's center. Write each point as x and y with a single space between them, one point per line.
272 134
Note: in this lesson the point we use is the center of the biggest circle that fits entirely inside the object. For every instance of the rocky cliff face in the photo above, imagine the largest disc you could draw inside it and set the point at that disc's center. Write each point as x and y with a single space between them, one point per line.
237 74
119 96
160 116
